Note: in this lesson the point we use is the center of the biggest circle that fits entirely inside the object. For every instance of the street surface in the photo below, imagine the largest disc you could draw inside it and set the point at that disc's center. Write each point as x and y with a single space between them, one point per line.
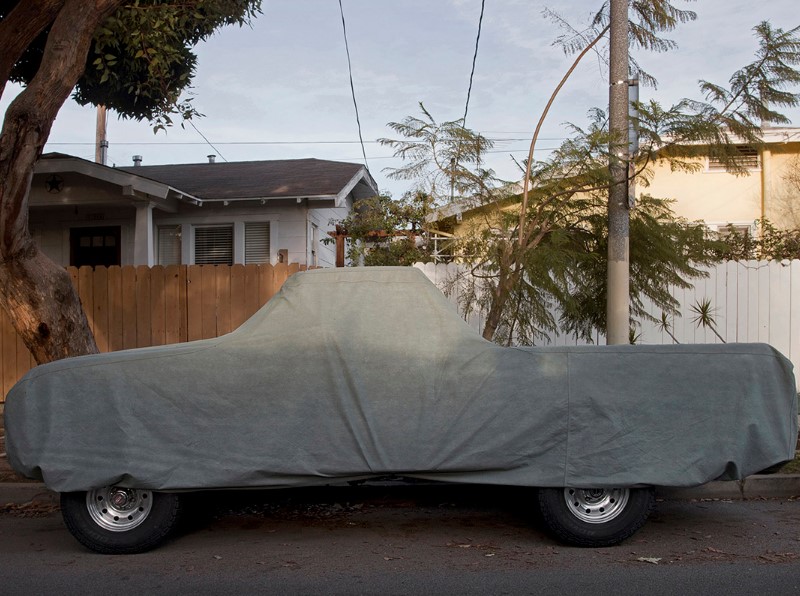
413 540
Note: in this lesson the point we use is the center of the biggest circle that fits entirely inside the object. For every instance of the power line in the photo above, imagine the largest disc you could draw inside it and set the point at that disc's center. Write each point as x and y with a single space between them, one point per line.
474 59
207 141
352 87
251 143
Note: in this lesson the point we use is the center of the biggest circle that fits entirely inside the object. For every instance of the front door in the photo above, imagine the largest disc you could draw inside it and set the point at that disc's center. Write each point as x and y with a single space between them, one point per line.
94 246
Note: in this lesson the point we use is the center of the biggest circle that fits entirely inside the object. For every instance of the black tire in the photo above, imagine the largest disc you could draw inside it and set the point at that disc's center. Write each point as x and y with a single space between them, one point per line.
595 517
114 520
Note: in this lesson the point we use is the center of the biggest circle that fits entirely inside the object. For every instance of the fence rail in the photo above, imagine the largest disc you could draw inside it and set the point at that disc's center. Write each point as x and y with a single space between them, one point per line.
135 307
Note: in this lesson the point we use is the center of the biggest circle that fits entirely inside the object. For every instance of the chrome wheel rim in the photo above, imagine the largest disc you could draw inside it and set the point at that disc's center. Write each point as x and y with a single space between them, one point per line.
118 509
596 505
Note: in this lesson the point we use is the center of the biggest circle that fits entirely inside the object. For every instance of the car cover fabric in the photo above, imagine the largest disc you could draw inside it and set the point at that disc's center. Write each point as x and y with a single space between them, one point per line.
355 373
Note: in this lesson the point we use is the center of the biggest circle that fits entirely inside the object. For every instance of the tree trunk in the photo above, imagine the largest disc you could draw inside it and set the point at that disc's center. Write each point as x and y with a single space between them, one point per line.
37 294
505 285
19 28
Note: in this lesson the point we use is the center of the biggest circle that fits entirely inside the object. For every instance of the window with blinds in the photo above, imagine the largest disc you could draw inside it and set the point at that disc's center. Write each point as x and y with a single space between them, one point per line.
748 158
169 245
213 245
256 242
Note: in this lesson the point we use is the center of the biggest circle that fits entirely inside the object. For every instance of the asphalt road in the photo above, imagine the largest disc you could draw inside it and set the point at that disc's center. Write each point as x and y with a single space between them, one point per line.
414 540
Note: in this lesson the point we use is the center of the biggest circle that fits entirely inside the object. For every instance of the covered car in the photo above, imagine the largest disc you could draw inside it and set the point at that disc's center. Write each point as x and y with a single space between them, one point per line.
348 374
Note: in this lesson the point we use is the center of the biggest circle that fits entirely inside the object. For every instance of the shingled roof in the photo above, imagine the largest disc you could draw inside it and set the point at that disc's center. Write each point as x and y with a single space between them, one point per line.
275 179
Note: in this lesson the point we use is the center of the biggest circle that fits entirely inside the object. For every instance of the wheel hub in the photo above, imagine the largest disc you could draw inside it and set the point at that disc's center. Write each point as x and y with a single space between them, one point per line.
596 505
118 509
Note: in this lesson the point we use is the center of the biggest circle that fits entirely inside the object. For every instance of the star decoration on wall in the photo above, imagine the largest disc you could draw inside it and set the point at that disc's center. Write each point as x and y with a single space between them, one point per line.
54 184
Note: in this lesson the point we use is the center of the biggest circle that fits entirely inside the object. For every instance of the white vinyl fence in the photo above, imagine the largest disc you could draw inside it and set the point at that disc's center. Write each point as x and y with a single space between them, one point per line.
752 301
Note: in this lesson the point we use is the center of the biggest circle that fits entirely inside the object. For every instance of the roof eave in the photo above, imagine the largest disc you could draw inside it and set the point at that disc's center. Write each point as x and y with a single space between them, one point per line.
114 176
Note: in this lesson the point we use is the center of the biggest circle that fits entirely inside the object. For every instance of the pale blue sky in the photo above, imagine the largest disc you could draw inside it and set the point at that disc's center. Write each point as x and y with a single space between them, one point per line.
285 80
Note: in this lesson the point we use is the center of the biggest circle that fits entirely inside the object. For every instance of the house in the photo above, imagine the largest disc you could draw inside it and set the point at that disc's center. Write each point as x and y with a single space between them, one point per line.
770 189
84 213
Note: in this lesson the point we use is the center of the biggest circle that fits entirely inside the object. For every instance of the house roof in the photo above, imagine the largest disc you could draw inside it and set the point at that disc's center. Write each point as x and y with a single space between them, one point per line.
275 179
132 185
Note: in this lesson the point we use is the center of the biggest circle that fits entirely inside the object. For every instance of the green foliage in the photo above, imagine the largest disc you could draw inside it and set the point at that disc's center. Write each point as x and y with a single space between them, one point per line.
705 316
769 243
383 231
142 58
561 254
442 159
664 324
647 19
552 250
728 116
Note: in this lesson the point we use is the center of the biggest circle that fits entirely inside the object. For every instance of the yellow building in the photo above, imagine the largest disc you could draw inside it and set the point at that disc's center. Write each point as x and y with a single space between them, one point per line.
771 189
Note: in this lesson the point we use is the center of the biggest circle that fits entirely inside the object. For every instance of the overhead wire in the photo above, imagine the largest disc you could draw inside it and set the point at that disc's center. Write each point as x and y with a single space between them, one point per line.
352 87
474 60
207 141
87 143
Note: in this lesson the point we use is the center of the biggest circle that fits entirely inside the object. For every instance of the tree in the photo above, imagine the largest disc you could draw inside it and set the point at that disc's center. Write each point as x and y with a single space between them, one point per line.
770 243
383 231
545 250
440 158
566 264
133 56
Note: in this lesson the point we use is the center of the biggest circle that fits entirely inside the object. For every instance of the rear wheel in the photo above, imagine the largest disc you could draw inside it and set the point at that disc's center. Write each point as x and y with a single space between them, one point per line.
118 520
595 516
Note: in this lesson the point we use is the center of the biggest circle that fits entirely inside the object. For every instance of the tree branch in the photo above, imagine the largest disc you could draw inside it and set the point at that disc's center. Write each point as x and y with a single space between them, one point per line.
526 182
20 28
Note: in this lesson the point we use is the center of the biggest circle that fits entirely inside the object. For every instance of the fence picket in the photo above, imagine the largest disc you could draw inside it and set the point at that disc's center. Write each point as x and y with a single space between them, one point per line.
779 310
251 290
158 307
208 315
194 303
172 305
100 308
238 313
223 299
129 307
115 309
85 277
144 309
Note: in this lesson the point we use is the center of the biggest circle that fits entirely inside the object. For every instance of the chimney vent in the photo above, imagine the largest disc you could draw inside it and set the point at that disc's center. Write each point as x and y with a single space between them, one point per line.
137 160
212 158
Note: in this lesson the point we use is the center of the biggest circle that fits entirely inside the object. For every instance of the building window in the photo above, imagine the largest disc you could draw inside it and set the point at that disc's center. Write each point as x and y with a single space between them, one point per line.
213 245
169 245
93 247
725 230
748 158
256 242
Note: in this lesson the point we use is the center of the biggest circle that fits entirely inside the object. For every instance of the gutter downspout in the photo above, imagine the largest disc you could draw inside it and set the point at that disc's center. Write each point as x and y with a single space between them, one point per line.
766 167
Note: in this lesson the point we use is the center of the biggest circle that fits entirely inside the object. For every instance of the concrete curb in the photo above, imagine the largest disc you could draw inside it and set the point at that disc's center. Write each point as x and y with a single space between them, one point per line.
776 486
757 486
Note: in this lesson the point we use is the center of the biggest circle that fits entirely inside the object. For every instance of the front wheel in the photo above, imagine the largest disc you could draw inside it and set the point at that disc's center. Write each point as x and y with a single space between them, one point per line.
116 520
595 516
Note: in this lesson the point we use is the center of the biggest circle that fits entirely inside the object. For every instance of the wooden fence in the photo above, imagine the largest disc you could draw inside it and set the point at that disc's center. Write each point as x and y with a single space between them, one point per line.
133 307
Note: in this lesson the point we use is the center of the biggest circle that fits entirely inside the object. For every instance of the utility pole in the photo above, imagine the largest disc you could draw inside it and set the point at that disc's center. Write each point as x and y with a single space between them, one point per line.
618 287
101 143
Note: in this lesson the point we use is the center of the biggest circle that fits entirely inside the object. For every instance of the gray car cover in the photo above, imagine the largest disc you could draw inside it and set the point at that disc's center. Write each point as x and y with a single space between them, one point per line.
347 374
